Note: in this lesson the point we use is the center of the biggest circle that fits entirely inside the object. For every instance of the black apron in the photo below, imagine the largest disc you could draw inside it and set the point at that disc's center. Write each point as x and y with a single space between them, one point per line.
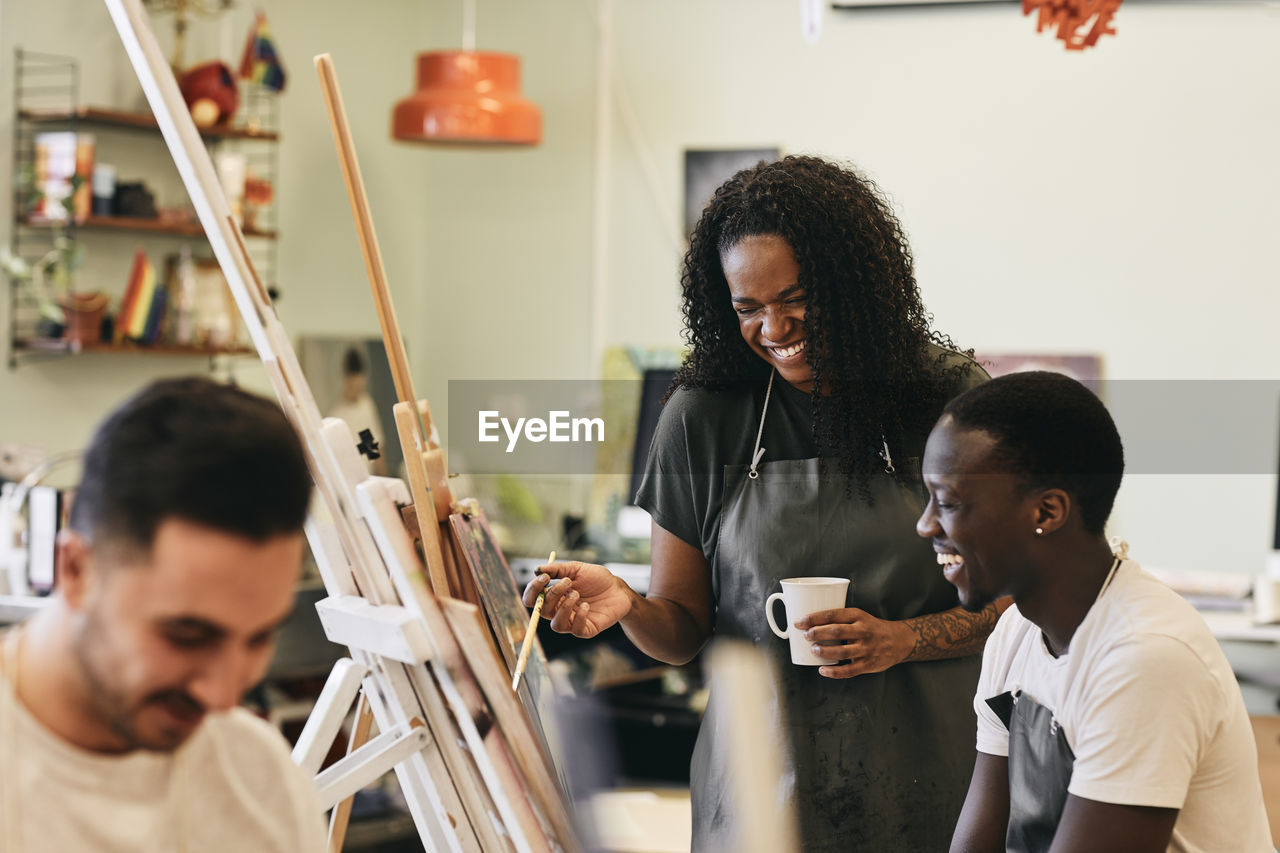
1040 765
1040 759
879 762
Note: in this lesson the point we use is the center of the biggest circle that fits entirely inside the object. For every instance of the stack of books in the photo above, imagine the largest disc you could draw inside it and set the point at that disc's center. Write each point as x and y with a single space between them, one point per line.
142 309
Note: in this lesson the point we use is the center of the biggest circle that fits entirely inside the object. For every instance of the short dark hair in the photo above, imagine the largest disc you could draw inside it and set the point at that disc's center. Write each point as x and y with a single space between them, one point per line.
352 363
196 450
1054 433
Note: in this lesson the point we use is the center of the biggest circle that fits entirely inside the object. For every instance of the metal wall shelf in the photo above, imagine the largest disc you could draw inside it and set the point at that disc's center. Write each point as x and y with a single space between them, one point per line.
46 98
139 224
102 117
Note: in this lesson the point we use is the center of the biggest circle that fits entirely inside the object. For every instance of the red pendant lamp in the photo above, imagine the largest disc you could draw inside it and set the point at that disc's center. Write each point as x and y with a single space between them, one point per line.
467 97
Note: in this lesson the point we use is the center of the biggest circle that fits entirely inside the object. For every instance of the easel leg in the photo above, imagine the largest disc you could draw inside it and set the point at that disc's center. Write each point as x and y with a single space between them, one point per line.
342 811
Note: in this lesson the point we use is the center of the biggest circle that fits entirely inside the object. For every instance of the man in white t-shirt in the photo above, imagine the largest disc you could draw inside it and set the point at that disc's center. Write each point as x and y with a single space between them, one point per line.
119 721
1108 718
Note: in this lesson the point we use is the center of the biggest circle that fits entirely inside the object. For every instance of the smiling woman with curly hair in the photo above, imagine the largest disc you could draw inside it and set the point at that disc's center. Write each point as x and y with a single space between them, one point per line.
789 447
872 361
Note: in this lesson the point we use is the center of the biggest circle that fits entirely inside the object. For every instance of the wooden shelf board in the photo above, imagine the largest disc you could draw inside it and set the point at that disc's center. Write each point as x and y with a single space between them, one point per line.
136 223
60 345
143 121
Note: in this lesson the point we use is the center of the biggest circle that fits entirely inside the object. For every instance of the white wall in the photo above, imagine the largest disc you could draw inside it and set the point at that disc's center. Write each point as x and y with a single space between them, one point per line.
1117 202
1120 201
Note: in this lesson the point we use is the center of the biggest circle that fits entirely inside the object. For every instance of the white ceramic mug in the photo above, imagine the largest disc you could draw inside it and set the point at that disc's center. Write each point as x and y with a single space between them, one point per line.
800 597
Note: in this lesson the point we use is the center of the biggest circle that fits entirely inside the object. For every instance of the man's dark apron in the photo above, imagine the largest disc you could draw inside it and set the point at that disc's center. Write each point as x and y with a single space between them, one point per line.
878 762
1040 762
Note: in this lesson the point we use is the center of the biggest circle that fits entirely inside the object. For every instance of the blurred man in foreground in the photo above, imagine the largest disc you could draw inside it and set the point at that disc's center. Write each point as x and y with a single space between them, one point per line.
119 720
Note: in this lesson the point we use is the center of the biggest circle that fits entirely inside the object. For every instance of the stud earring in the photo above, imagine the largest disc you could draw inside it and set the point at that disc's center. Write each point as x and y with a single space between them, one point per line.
1039 531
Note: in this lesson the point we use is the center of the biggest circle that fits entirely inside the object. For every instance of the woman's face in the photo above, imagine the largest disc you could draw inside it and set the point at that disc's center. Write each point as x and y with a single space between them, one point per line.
764 287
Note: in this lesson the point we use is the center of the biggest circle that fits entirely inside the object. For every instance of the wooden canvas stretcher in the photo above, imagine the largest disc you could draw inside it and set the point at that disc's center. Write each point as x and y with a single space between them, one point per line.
466 753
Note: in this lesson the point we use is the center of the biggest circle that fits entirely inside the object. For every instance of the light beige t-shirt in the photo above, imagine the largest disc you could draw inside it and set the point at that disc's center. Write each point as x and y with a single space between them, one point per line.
231 787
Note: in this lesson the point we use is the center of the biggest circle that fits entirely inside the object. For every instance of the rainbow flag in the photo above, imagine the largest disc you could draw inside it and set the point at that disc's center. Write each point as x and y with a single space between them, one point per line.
260 63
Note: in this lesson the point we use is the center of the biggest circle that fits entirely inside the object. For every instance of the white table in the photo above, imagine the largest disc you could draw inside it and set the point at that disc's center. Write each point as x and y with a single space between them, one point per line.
1239 627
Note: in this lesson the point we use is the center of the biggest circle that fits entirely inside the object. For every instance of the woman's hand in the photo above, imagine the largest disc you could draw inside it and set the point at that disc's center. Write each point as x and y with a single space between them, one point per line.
587 599
864 643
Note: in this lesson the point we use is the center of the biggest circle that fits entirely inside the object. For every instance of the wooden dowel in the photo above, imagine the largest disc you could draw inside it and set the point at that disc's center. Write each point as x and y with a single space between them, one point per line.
364 229
342 811
415 443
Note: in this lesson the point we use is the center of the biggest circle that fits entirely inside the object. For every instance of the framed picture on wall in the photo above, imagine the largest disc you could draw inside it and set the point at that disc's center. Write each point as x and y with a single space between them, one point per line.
1085 369
706 169
350 378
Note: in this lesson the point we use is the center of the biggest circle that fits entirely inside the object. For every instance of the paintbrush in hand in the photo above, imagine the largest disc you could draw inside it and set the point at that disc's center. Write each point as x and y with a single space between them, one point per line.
530 632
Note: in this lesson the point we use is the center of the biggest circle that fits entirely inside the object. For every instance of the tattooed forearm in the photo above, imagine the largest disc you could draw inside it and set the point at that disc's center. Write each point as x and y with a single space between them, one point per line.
953 633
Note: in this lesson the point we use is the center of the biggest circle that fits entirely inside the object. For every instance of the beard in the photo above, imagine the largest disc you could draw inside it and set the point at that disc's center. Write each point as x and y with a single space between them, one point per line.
112 706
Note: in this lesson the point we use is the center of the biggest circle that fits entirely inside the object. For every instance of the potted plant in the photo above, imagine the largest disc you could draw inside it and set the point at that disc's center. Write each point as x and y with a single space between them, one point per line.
48 283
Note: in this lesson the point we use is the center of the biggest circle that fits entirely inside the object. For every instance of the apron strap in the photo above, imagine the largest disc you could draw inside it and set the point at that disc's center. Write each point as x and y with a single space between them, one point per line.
887 457
1115 565
758 452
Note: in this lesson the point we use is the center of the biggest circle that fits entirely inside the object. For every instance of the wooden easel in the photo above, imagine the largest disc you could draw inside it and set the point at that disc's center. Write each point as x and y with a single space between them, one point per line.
424 460
437 521
466 754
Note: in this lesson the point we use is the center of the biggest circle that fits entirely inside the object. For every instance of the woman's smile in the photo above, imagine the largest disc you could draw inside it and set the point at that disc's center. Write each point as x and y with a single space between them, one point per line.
789 351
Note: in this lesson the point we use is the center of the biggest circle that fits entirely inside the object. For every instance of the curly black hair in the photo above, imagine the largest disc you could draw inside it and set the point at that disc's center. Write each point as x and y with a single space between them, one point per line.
867 328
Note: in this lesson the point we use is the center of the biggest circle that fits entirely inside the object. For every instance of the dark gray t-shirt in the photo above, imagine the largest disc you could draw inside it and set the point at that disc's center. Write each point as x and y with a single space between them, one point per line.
700 431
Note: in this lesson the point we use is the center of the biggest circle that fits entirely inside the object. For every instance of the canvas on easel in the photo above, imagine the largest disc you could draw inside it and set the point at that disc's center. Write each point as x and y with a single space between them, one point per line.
507 618
500 595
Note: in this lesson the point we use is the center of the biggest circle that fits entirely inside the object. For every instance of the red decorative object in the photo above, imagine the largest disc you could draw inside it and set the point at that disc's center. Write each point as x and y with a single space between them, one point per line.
467 96
1080 23
210 92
